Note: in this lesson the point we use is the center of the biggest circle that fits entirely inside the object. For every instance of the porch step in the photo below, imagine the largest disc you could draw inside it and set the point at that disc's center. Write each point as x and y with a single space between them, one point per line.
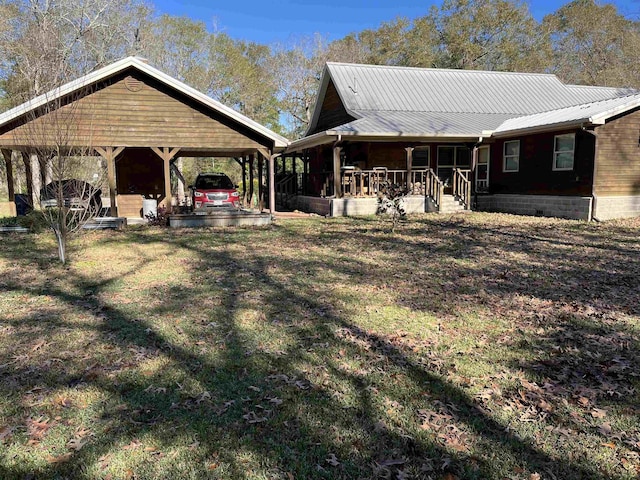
450 204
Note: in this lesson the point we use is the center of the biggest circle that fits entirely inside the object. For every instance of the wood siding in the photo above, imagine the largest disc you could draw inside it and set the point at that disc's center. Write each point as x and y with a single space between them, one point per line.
133 110
618 156
536 175
332 112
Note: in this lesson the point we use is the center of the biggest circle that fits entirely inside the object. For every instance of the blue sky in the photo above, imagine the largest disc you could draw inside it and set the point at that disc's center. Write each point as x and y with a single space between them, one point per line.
270 21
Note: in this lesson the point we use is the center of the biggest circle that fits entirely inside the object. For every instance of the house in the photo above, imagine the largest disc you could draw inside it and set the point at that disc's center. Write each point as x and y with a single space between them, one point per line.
510 142
137 120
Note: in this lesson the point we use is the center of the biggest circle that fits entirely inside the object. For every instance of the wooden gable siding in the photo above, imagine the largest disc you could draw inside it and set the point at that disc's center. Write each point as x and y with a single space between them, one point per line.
332 112
536 175
618 156
134 110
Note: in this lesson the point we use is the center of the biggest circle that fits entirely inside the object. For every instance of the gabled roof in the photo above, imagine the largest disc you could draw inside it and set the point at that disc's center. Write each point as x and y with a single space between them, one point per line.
427 102
134 62
593 113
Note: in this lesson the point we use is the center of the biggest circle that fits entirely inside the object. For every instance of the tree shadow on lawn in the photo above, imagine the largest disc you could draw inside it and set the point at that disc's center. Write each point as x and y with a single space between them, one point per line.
334 381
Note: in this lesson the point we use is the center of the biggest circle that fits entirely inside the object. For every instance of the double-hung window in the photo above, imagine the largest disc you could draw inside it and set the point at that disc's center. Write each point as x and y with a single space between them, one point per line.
511 156
563 151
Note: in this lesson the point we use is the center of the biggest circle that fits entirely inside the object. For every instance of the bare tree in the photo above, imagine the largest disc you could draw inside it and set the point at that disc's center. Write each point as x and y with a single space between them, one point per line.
45 43
58 132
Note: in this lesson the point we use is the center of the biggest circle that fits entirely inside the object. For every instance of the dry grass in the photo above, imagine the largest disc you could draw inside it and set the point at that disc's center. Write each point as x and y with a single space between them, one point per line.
477 346
4 209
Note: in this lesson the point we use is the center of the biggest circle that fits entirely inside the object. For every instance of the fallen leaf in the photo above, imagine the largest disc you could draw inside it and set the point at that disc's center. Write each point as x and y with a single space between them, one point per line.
332 460
134 444
63 401
605 429
609 445
251 417
598 413
5 434
76 443
390 462
59 459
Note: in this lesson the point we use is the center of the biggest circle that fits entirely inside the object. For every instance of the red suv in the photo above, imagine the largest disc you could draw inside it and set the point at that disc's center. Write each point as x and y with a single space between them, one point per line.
214 190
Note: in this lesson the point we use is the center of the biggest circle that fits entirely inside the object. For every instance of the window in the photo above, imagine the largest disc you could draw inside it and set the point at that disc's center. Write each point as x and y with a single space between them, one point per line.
511 157
563 150
482 169
421 157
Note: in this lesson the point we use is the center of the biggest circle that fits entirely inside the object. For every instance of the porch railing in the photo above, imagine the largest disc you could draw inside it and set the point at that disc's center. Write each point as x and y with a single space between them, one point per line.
462 186
366 183
434 187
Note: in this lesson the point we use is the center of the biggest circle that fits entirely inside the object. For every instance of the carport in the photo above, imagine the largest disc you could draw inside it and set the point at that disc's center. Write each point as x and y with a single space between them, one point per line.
139 121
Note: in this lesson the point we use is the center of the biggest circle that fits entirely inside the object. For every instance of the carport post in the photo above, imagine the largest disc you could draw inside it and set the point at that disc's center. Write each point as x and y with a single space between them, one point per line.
251 170
10 189
166 154
272 183
110 154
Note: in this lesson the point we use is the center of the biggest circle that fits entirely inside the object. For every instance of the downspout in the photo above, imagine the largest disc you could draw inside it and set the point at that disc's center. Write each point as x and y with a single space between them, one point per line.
337 180
474 165
594 196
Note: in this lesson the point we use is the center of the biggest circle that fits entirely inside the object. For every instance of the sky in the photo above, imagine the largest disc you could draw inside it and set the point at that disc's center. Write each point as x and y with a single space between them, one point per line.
273 21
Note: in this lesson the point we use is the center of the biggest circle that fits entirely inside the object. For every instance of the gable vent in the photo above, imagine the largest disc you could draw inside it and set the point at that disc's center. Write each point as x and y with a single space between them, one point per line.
133 84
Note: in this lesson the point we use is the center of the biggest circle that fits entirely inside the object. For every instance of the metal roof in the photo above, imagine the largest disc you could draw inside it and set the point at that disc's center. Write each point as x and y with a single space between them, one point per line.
365 88
415 124
115 68
593 113
426 102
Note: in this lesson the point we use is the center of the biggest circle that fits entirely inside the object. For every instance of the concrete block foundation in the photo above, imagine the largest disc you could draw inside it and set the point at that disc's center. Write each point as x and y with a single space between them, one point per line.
576 208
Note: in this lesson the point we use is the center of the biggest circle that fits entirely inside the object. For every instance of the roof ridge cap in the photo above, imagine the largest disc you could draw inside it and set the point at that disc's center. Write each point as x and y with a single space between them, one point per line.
437 69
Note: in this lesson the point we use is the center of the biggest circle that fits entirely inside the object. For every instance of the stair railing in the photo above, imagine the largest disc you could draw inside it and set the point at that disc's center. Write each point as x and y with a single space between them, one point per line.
434 188
462 186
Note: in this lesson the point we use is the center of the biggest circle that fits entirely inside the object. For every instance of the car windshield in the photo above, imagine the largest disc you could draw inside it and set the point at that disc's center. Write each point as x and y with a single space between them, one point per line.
214 182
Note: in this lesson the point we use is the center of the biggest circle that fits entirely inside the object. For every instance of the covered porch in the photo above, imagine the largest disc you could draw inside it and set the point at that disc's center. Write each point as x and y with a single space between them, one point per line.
440 171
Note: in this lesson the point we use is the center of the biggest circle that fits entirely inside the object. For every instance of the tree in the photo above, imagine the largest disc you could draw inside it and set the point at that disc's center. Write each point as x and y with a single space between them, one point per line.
57 133
487 35
44 43
593 44
296 69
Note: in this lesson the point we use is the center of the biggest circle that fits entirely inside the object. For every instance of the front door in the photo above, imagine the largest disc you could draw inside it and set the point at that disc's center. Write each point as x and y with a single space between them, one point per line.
450 157
482 169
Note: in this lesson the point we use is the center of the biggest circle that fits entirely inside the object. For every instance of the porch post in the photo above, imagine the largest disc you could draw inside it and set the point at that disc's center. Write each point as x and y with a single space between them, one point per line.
10 188
110 154
251 178
272 183
261 181
337 180
409 167
305 169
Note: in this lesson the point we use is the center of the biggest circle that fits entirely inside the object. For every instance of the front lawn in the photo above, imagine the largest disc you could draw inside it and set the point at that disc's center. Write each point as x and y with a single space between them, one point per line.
468 347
